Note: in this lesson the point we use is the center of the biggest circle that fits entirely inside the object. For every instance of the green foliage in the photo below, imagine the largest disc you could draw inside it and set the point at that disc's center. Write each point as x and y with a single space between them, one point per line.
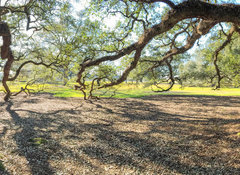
201 71
196 73
2 168
38 141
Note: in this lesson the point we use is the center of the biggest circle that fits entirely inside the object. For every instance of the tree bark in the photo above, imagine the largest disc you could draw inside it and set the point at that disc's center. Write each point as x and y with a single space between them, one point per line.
6 53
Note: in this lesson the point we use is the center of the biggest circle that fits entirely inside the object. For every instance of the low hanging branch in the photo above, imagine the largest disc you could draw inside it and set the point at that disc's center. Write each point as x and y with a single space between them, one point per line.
201 29
210 13
25 89
125 74
29 62
216 53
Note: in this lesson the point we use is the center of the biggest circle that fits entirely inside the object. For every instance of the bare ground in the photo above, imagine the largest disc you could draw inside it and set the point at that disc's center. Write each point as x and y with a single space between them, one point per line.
151 135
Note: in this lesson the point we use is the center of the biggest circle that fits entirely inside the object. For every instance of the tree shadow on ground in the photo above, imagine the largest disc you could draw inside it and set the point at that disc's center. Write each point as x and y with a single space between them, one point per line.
27 148
190 135
128 135
37 154
205 100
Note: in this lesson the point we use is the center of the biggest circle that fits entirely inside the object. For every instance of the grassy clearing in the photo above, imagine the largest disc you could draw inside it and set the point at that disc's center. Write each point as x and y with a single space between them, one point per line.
128 90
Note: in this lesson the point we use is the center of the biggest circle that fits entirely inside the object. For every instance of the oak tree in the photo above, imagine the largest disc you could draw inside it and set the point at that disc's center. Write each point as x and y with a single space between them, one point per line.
153 36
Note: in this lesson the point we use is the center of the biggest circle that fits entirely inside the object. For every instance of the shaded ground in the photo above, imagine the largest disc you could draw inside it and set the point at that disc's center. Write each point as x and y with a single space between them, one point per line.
151 135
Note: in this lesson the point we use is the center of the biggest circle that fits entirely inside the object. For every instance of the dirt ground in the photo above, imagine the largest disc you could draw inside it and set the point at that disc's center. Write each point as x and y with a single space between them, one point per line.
46 135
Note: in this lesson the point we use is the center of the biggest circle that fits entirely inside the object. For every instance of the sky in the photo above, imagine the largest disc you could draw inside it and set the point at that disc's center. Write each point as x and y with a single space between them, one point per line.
79 5
82 4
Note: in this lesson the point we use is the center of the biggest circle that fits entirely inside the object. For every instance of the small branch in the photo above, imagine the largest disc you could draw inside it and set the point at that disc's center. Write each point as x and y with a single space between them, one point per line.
125 74
216 53
168 2
25 89
171 78
25 63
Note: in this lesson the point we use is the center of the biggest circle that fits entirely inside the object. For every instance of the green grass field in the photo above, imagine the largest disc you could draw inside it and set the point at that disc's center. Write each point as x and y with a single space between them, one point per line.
127 90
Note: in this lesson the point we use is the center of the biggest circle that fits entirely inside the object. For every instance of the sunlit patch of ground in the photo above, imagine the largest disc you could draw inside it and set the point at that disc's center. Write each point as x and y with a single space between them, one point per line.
42 134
